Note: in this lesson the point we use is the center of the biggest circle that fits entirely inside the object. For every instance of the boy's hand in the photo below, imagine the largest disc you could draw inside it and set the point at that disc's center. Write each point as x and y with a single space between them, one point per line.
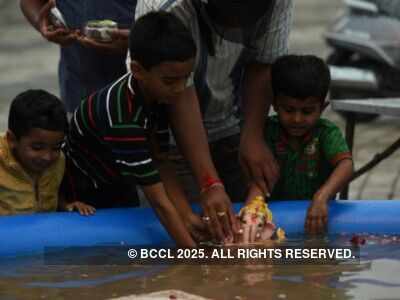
317 217
218 214
196 227
82 208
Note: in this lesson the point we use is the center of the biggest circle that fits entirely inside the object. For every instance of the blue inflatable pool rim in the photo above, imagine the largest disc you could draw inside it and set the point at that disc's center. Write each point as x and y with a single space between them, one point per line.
31 234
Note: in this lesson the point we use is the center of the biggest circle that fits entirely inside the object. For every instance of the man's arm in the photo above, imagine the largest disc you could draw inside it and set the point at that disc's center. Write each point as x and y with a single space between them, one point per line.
317 215
31 10
256 158
189 132
167 214
37 13
190 135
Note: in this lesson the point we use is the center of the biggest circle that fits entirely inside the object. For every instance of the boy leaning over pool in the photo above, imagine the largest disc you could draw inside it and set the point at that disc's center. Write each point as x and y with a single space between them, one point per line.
315 161
119 136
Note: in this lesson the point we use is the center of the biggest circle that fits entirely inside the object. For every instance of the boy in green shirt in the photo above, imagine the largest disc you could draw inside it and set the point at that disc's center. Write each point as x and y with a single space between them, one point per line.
315 161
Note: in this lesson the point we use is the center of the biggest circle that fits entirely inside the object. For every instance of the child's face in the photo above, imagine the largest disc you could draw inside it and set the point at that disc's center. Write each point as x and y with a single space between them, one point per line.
297 116
38 150
164 82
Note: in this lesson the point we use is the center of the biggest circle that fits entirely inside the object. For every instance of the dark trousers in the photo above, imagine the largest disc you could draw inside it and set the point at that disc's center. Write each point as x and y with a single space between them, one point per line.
225 155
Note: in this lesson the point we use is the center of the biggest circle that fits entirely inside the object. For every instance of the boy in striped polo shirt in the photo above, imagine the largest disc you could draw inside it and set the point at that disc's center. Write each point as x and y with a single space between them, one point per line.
315 161
118 134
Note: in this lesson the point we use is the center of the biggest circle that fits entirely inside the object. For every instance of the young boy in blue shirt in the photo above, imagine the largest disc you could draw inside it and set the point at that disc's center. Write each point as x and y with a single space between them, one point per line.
315 161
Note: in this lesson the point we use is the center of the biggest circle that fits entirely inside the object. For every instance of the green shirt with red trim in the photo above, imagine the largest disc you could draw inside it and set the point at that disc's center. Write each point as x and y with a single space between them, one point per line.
305 169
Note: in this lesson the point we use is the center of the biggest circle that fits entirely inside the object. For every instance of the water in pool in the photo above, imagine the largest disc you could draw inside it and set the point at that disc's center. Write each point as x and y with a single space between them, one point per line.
376 276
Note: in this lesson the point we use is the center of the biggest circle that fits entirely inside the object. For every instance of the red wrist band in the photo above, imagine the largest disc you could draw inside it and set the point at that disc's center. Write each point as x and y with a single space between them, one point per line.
209 183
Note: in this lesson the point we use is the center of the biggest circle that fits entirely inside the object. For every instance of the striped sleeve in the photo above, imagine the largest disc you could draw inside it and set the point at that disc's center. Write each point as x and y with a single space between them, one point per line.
274 42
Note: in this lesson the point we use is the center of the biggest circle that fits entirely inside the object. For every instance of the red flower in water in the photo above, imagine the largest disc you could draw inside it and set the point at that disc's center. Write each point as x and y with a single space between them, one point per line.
357 240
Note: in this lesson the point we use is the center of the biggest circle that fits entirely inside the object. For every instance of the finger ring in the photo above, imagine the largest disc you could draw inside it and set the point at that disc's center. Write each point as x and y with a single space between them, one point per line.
206 219
221 213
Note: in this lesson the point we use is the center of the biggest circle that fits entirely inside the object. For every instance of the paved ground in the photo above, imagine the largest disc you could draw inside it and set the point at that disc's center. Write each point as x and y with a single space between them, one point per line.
26 61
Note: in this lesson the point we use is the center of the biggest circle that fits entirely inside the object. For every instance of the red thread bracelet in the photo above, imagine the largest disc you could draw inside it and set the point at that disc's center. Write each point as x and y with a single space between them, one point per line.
210 182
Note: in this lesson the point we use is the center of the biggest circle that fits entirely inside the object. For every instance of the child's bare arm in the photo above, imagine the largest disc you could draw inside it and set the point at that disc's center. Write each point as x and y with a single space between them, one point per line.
176 194
168 215
317 215
83 208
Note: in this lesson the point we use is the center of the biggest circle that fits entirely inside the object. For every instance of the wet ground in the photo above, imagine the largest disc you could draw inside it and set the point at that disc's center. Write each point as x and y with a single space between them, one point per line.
28 61
374 276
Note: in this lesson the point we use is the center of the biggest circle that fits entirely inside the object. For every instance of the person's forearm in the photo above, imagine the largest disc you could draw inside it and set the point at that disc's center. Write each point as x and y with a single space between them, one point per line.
31 10
336 181
257 97
170 180
174 188
168 215
190 135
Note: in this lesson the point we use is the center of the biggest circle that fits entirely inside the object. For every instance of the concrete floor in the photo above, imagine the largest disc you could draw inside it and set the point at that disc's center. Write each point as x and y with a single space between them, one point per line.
28 61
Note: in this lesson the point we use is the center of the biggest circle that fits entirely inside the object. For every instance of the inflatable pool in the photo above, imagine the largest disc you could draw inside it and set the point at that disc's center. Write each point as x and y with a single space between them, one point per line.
30 234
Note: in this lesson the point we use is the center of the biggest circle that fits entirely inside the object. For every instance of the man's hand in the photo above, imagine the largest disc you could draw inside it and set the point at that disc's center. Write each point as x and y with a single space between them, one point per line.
258 162
317 217
218 214
118 45
58 35
196 227
82 208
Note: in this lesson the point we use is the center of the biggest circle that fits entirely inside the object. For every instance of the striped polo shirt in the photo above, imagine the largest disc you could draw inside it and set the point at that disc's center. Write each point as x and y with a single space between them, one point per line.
218 78
109 135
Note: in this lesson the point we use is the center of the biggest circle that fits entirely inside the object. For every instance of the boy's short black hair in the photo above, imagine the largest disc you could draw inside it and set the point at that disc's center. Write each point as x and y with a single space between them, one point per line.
300 76
158 37
247 12
36 109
